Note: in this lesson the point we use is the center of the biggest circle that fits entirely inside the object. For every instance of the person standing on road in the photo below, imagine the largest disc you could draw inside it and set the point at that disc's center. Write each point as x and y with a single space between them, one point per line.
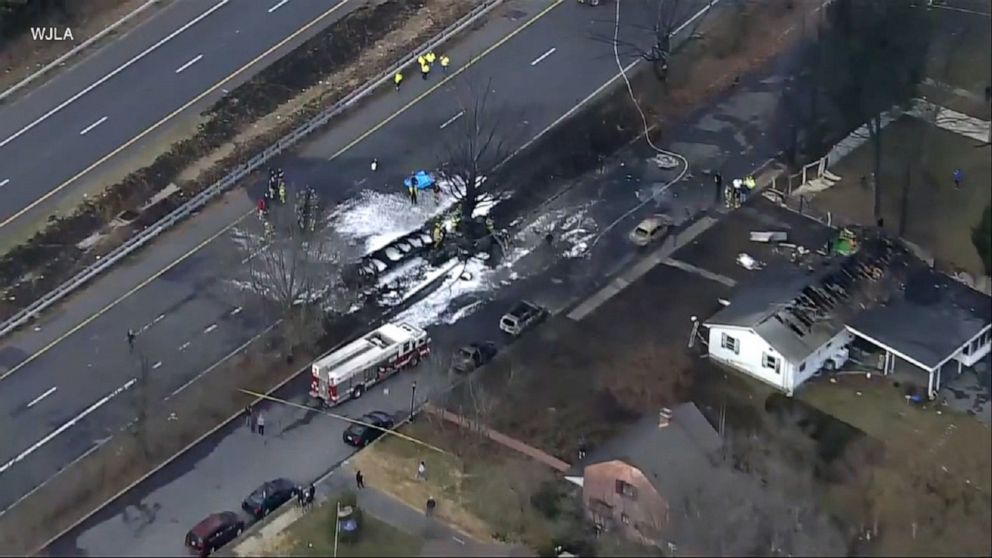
422 471
359 479
413 190
421 60
444 63
430 506
425 69
430 57
260 424
718 182
130 339
397 79
958 177
249 418
375 165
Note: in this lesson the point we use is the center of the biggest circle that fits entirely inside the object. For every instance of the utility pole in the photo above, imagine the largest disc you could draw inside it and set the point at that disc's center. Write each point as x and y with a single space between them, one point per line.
337 523
413 397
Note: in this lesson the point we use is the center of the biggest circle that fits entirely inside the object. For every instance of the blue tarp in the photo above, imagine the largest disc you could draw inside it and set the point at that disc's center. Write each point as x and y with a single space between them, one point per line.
424 180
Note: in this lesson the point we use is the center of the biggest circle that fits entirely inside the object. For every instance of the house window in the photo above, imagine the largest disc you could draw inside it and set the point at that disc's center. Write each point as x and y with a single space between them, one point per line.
626 489
730 343
769 361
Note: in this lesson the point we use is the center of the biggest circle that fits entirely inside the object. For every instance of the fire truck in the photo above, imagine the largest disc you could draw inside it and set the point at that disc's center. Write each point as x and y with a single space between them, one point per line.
349 371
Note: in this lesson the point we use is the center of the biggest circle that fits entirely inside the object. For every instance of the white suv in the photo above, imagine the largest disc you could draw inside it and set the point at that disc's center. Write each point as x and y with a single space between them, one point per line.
523 315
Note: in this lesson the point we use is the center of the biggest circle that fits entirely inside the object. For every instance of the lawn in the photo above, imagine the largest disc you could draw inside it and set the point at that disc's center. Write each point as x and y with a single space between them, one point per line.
482 489
313 535
931 491
940 218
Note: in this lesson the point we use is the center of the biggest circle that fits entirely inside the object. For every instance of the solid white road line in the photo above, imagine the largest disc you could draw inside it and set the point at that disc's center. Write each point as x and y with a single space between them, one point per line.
114 72
4 182
190 63
36 400
93 125
452 119
277 6
66 426
537 60
210 328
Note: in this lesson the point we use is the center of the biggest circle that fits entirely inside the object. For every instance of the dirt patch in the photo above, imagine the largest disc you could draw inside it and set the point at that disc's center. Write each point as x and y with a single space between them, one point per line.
21 56
917 183
363 44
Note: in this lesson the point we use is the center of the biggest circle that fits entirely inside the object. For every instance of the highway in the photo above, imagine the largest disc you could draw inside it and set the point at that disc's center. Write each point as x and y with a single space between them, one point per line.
70 383
116 101
730 134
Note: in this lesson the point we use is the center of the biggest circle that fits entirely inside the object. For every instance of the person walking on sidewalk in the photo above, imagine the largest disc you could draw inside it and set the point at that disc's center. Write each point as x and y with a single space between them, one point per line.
958 176
359 479
260 424
422 471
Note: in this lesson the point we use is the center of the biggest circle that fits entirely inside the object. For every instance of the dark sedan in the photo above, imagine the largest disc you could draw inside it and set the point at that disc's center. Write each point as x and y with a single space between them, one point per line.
472 356
269 497
360 435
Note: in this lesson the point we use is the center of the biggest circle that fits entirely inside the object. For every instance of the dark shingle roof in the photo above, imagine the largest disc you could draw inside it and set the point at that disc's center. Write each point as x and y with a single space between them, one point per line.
931 318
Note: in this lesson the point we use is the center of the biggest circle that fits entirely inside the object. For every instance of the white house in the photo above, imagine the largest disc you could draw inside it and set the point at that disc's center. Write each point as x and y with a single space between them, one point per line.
790 321
770 331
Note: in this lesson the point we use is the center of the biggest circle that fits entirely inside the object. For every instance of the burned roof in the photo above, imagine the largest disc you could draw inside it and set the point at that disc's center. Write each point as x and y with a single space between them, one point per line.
797 309
929 319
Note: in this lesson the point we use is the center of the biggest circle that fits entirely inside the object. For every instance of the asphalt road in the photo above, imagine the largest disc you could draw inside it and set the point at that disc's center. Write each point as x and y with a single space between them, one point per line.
64 394
173 63
730 135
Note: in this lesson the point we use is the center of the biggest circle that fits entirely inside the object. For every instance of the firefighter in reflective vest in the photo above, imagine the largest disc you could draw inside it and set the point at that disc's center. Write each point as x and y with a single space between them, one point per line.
282 192
749 184
397 79
444 63
430 57
438 233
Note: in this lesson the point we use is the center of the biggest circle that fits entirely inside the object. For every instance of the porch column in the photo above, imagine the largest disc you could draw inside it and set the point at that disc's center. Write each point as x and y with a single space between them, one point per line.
930 392
960 367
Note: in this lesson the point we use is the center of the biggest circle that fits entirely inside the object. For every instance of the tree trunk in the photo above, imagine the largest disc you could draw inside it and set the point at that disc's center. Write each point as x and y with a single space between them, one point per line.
904 203
875 133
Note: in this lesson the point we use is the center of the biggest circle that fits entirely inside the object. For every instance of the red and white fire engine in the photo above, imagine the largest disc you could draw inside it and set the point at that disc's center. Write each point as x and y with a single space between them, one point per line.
354 368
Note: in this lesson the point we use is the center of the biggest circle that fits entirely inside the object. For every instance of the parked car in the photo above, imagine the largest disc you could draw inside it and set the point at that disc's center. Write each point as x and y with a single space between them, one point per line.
472 356
649 231
269 497
521 317
359 435
216 530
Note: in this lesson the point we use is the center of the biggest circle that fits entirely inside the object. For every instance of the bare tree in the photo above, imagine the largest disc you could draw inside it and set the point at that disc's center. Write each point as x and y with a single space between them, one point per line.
873 57
294 268
668 16
472 149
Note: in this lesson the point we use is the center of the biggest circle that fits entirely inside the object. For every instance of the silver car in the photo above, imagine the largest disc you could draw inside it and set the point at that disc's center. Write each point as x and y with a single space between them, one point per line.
649 230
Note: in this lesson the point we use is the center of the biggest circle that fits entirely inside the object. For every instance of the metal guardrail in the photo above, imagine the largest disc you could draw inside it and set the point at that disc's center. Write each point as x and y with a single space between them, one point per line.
198 201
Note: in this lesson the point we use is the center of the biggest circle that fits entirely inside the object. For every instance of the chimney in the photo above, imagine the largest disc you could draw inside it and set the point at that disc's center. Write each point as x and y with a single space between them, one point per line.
664 417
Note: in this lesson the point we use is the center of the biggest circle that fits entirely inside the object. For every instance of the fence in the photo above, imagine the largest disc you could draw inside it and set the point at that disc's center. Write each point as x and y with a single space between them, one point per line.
198 201
785 186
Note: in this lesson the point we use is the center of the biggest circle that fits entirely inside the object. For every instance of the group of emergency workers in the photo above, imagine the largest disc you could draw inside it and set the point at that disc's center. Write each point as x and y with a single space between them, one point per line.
425 62
737 192
276 190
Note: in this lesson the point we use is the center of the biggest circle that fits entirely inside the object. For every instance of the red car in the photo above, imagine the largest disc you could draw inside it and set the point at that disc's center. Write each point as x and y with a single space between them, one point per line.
216 530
